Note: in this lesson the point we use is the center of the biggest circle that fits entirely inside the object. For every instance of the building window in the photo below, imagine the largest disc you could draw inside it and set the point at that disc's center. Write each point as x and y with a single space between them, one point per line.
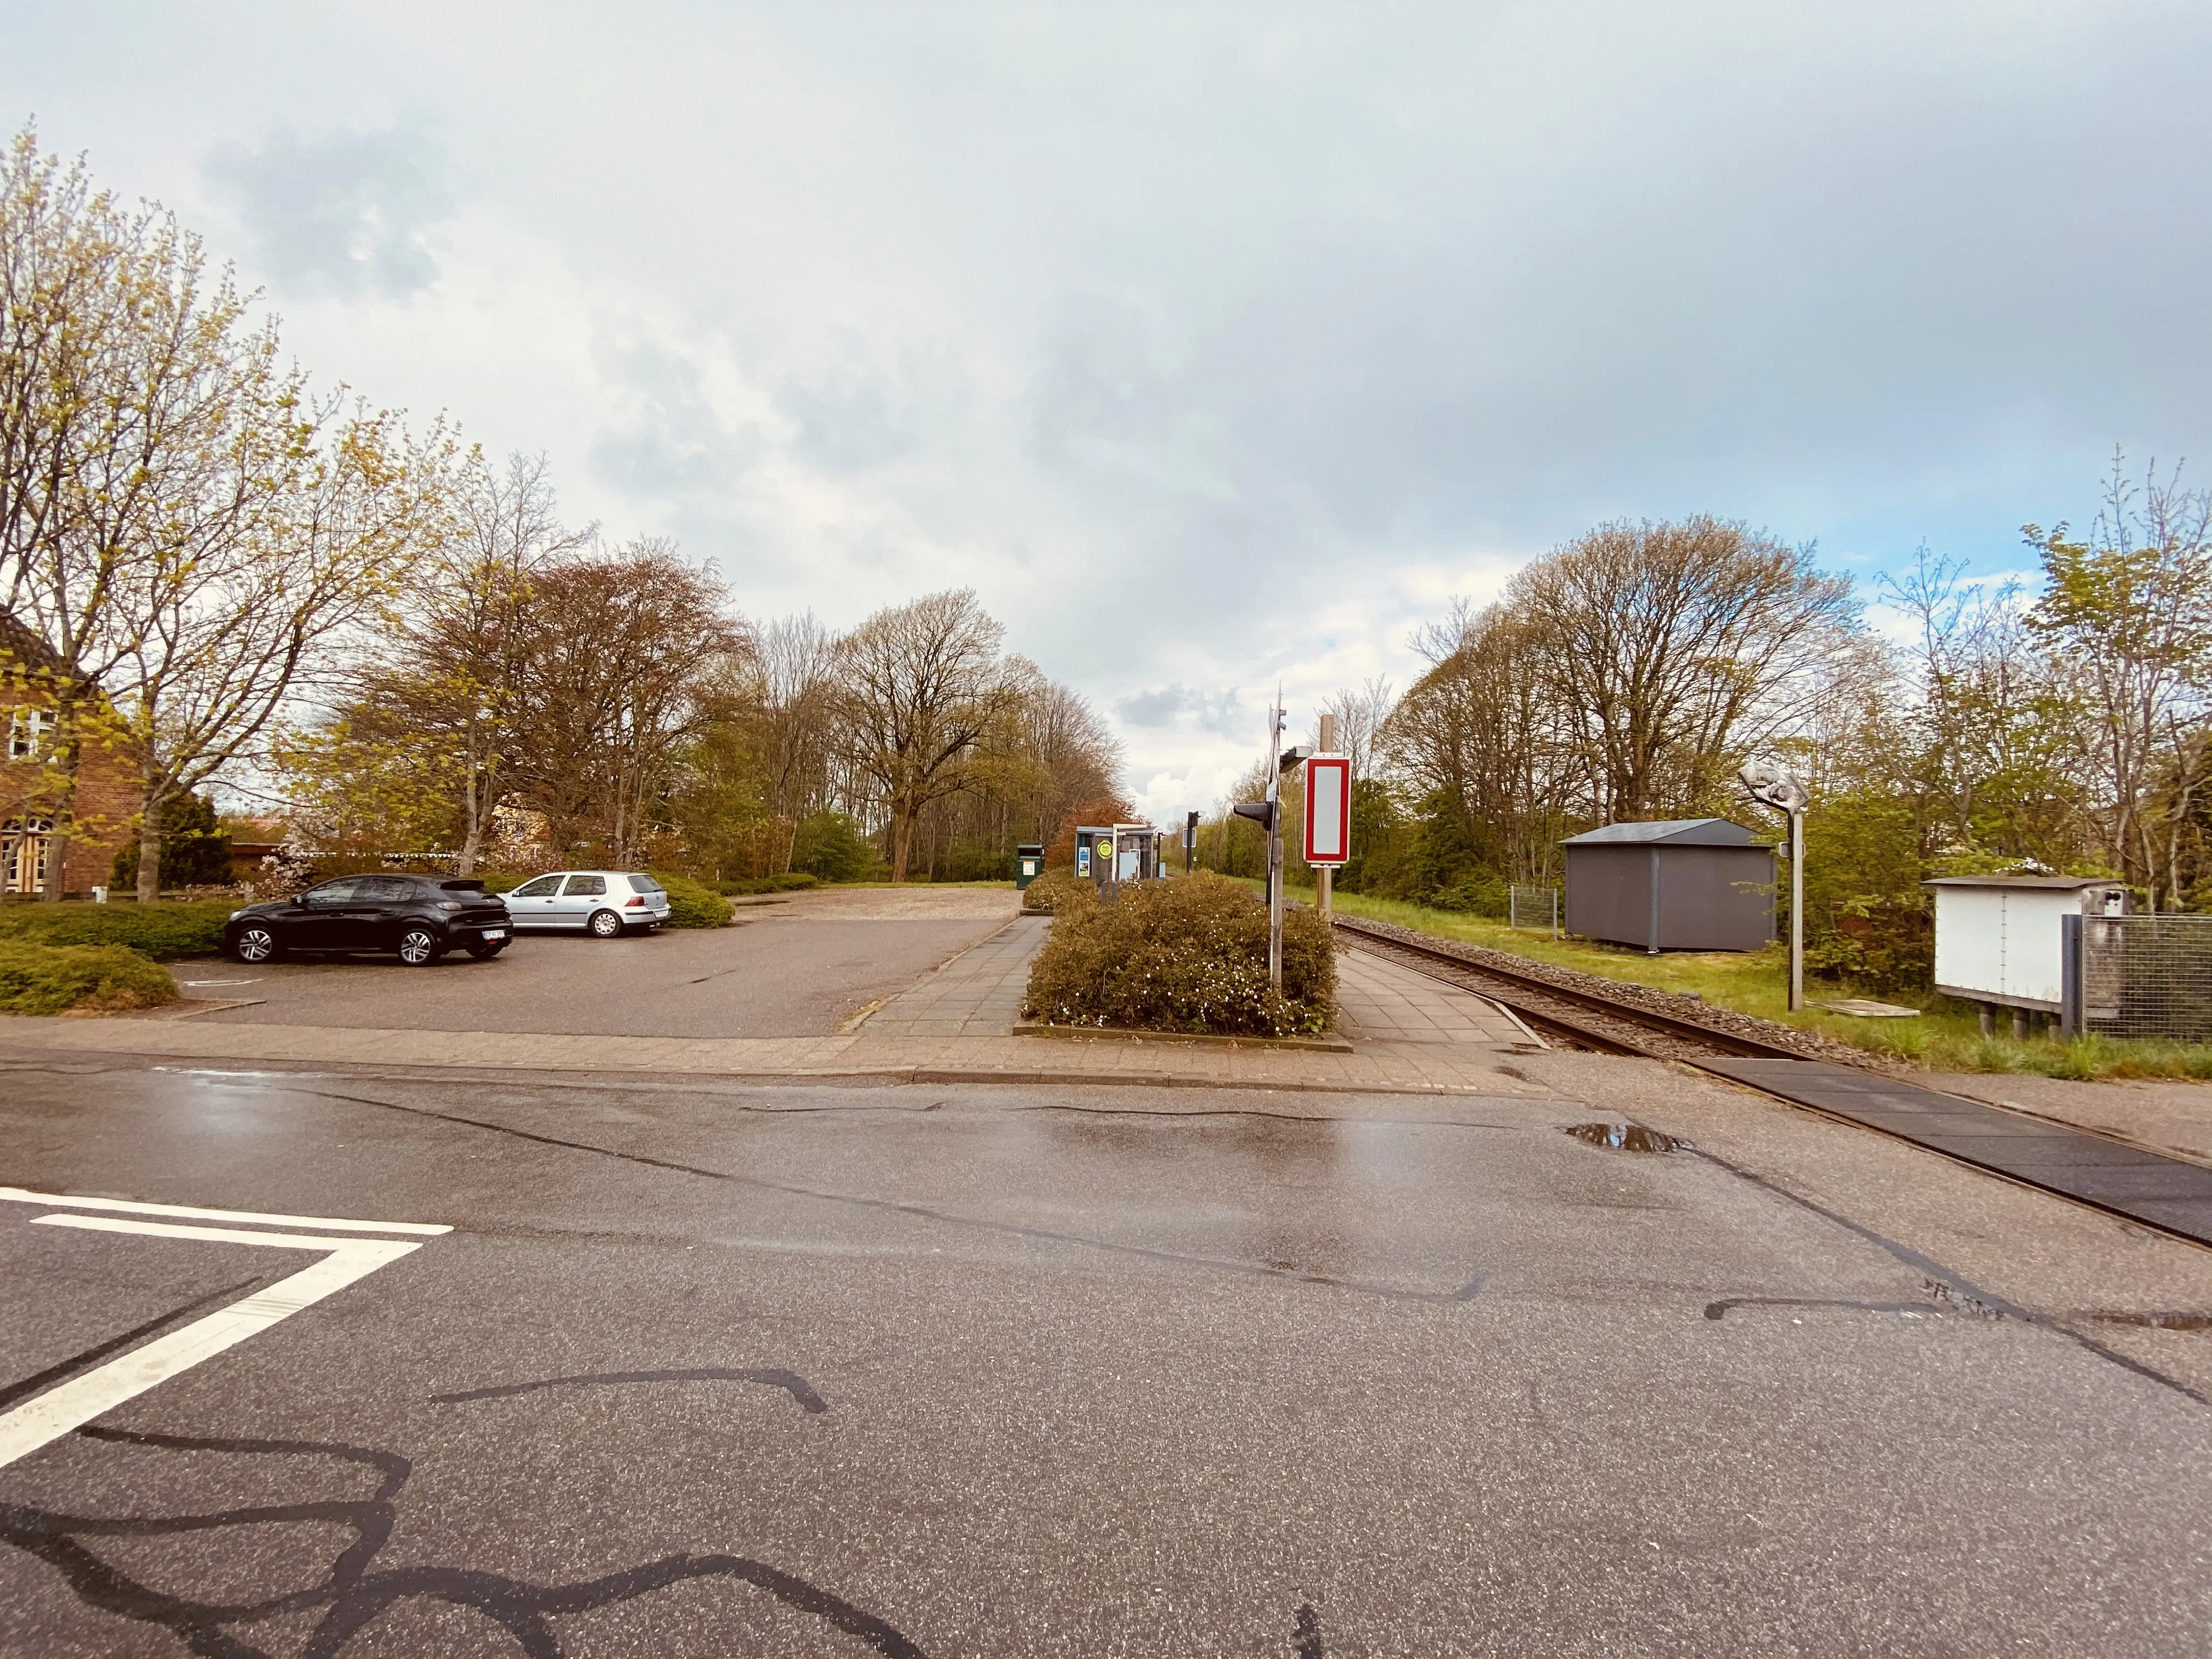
29 733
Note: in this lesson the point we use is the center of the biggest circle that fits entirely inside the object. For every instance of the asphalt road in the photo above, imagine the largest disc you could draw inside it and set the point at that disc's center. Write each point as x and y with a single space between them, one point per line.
705 1369
779 972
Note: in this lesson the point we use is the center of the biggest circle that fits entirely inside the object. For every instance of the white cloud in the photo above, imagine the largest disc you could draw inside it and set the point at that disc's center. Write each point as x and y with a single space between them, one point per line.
344 213
1217 346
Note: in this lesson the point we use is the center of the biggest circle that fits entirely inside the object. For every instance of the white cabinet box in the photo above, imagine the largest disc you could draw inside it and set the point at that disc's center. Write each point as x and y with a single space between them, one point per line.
1997 937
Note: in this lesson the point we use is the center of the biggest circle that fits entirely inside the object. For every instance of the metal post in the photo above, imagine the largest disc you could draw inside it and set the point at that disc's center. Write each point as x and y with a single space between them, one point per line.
1325 876
1275 845
1797 910
2069 978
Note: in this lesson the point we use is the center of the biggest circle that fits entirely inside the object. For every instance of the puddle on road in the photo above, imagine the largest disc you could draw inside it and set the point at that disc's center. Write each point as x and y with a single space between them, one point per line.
1624 1136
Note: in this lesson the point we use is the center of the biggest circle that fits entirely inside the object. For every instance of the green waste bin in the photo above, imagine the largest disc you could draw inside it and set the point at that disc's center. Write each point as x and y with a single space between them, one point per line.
1029 864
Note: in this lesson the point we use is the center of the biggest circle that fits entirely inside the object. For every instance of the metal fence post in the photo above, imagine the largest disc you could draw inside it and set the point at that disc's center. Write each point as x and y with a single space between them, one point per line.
2070 1020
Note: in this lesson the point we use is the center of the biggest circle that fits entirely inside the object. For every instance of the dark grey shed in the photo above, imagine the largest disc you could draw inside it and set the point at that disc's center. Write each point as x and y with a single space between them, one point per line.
1681 885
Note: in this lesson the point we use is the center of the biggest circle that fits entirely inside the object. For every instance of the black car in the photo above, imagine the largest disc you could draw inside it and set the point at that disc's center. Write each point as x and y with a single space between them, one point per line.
420 918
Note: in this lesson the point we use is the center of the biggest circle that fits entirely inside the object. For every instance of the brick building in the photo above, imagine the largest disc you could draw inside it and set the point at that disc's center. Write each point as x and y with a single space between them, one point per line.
33 785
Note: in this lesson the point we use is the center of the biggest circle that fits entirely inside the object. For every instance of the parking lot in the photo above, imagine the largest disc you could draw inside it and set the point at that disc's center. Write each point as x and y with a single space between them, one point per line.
793 968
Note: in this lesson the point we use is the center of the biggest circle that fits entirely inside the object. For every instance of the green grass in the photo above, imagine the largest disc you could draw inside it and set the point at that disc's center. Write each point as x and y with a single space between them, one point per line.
1945 1037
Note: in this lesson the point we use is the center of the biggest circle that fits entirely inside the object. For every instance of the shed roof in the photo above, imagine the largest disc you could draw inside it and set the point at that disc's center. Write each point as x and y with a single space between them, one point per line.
2062 884
1677 832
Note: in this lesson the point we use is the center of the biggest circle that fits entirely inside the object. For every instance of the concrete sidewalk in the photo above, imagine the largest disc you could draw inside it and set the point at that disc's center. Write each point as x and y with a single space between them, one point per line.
977 993
1385 1068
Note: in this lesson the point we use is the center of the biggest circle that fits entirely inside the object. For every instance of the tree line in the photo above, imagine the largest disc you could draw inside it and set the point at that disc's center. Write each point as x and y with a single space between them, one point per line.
213 572
1981 728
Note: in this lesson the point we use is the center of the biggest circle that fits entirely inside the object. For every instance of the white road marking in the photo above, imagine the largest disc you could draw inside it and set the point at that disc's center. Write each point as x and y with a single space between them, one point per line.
19 1195
218 982
69 1405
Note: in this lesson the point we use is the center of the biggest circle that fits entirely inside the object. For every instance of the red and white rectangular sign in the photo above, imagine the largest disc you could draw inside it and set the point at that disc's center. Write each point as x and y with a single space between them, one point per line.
1329 810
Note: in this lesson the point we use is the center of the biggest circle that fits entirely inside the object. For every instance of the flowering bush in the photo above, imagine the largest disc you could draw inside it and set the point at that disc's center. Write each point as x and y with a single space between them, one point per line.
1189 954
280 874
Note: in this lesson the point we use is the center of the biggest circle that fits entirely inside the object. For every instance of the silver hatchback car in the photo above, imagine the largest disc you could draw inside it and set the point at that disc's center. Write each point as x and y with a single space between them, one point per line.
605 903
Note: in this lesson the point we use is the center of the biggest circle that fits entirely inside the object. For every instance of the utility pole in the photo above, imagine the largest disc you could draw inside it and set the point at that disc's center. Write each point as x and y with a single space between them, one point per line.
1774 787
1275 844
1797 907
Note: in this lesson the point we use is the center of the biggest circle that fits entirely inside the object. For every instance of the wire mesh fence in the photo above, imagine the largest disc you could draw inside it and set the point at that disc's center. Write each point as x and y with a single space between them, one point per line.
2148 977
1534 906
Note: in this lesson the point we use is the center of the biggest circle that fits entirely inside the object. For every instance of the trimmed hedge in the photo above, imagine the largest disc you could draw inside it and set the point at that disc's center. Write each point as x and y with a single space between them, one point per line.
1187 955
792 881
1058 890
50 979
692 904
164 931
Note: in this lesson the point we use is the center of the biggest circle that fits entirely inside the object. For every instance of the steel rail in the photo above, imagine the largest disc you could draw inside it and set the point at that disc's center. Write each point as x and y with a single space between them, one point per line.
1525 988
1522 986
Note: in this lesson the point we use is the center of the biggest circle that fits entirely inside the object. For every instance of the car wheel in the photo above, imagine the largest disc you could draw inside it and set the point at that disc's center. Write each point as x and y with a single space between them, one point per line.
605 924
486 953
418 947
254 945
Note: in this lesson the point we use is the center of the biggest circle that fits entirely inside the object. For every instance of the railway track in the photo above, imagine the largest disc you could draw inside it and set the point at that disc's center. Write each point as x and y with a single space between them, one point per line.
2147 1185
1587 1018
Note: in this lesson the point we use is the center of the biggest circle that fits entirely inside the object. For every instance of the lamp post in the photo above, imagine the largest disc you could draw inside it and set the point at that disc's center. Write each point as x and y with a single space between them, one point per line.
1774 786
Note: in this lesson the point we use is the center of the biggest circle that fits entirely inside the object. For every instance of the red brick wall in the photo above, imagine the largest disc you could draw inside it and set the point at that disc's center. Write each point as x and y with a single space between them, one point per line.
106 801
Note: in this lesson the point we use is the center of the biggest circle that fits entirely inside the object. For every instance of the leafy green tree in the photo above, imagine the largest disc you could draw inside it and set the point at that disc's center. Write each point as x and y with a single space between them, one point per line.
2128 611
195 849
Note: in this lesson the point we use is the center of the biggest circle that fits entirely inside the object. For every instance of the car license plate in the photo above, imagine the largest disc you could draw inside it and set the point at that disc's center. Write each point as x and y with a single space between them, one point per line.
494 932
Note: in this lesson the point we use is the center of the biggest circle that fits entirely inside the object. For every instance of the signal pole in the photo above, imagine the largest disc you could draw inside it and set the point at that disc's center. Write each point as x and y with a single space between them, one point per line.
1325 875
1275 843
1774 787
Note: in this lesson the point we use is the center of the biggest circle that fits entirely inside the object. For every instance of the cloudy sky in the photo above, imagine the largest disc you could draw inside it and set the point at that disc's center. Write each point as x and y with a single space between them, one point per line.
1215 346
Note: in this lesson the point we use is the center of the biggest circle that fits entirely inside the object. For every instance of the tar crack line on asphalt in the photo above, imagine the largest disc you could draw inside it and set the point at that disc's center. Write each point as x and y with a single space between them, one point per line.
1950 1285
791 1382
354 1594
1465 1292
1722 1309
77 1362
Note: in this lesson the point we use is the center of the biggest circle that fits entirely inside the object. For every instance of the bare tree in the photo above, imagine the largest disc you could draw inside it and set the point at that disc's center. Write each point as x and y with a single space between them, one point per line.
920 685
1479 737
456 659
621 650
1360 714
798 669
1674 647
262 565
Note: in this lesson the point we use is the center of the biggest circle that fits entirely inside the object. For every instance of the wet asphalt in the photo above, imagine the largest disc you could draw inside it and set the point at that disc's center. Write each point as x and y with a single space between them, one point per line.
768 976
708 1370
